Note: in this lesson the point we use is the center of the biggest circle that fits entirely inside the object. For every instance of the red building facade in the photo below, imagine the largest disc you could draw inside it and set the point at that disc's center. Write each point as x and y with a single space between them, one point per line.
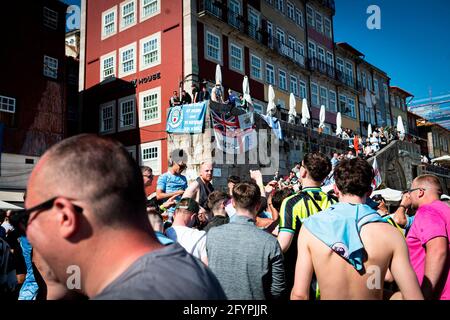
133 61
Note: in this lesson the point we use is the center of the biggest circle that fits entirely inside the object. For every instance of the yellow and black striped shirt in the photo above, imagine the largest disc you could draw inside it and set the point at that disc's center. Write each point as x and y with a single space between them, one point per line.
295 209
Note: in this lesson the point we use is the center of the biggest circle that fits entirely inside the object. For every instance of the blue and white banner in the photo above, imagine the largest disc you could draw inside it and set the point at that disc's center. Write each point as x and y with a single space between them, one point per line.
188 118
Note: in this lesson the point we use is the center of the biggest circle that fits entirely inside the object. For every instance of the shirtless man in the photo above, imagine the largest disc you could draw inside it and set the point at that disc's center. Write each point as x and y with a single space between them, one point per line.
340 274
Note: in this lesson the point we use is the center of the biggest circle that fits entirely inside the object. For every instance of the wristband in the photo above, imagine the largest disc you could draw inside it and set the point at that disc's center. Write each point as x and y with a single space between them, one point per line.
402 206
162 208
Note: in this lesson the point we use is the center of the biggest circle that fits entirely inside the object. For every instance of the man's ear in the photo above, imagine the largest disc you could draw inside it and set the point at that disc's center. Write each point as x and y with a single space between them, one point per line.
67 217
369 192
336 191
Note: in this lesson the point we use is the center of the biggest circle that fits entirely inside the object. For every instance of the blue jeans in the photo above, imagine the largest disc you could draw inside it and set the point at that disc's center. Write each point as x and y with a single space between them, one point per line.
30 287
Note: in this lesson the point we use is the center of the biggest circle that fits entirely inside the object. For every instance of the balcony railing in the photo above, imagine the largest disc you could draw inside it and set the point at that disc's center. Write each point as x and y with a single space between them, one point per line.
322 67
287 51
345 79
232 18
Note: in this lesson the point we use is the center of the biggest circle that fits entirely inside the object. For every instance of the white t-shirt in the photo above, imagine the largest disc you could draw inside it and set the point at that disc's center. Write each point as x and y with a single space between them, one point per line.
192 240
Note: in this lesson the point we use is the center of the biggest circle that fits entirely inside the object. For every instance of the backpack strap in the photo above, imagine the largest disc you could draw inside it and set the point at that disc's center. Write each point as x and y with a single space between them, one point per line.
196 243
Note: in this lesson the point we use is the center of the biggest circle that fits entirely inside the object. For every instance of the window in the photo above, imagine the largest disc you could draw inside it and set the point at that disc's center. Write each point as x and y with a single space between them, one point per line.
149 8
280 36
327 23
380 121
310 16
270 33
234 13
279 4
7 104
255 65
150 107
340 64
109 22
282 79
403 105
126 112
299 18
303 93
236 58
332 101
330 59
281 103
50 18
270 74
291 42
213 46
319 22
386 93
321 54
369 82
108 66
376 89
50 67
397 102
392 101
324 97
314 94
364 80
127 56
349 72
253 18
291 11
312 50
301 48
127 14
351 106
150 155
107 117
342 103
150 51
293 85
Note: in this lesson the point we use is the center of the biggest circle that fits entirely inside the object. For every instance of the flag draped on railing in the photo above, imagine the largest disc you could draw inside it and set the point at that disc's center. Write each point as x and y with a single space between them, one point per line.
234 134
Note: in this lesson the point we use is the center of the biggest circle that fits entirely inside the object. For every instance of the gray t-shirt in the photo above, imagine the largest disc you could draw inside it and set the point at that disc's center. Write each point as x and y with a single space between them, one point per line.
166 274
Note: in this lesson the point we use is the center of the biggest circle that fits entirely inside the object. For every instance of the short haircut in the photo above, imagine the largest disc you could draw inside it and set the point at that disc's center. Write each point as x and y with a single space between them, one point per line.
279 196
234 179
318 165
246 195
100 171
216 198
354 177
429 179
145 169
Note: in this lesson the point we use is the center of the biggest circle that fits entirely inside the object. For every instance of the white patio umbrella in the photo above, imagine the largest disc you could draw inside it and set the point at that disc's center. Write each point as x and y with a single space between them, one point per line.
400 127
219 76
292 111
305 113
322 117
271 107
246 90
338 124
369 130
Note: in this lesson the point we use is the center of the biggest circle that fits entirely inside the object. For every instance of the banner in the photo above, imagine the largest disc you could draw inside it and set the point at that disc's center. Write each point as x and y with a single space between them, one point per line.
377 179
188 118
234 134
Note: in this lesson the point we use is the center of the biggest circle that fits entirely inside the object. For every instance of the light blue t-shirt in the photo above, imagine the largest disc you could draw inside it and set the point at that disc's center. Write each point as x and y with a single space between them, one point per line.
169 183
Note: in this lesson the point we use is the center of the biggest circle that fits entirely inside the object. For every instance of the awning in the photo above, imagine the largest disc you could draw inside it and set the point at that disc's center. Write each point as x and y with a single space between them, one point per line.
11 196
8 206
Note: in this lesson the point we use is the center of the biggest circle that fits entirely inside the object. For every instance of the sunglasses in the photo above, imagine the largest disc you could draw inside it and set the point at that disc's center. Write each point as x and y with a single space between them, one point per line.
19 218
414 189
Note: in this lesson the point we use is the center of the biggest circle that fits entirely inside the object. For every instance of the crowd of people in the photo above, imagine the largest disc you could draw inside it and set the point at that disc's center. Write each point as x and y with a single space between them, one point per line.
279 239
215 94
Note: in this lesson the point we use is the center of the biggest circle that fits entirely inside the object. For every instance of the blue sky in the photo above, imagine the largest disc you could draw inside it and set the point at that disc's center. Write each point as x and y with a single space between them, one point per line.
413 45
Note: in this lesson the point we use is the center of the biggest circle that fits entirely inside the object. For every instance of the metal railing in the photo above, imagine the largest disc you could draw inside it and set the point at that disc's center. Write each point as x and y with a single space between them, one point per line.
322 67
345 79
287 51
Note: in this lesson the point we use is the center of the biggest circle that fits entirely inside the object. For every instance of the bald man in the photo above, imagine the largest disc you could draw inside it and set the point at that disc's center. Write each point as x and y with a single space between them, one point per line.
428 238
93 228
200 189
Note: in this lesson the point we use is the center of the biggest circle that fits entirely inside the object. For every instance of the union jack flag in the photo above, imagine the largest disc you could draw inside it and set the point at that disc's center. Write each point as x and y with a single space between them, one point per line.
230 137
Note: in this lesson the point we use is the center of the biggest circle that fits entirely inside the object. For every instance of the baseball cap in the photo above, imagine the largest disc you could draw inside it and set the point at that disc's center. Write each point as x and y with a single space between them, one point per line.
188 204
